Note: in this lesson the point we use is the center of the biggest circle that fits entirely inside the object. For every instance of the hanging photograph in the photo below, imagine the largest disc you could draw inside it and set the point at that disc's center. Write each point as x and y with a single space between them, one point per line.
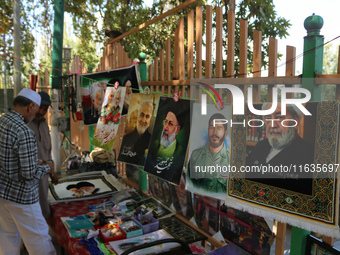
108 122
209 151
290 172
94 87
169 140
138 129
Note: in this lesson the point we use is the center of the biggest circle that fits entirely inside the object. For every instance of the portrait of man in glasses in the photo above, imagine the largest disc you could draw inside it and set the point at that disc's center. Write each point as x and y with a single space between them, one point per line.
169 140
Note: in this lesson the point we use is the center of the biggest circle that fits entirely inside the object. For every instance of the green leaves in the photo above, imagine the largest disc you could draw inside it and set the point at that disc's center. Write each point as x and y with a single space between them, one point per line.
90 19
261 15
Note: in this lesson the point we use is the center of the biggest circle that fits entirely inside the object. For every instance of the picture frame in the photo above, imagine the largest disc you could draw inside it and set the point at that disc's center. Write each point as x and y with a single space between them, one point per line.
206 213
67 190
248 231
316 246
288 203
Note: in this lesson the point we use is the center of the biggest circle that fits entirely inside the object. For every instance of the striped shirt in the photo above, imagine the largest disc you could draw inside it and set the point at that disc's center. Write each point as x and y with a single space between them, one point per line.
19 169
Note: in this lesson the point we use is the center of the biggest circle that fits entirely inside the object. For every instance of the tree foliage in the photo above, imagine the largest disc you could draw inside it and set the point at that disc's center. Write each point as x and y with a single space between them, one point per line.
122 16
261 15
34 18
330 63
92 18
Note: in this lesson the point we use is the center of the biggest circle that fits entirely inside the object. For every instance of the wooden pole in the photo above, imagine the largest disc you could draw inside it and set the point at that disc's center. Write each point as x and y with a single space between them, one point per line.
199 21
208 42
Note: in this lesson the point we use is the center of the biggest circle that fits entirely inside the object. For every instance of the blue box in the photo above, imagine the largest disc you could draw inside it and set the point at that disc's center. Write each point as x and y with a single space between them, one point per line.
152 226
131 224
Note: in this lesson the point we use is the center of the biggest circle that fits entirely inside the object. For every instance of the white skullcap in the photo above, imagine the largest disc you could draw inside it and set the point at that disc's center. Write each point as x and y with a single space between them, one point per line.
31 95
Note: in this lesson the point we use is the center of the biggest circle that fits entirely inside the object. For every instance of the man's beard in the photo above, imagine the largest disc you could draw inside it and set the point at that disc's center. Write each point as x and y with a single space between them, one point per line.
166 141
280 142
141 128
215 145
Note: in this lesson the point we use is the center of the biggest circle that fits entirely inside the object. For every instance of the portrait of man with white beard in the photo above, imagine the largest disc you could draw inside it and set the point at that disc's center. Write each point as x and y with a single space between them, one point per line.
135 144
169 140
283 147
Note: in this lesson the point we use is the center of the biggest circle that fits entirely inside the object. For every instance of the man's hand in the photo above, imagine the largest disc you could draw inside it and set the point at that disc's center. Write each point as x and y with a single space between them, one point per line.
51 165
54 178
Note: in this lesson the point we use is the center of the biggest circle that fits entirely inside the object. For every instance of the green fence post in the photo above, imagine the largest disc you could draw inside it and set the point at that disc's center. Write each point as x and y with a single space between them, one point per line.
142 66
312 64
313 55
142 176
57 53
91 128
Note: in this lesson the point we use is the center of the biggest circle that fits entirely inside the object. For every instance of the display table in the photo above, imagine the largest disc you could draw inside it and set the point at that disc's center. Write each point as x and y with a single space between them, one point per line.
70 209
75 208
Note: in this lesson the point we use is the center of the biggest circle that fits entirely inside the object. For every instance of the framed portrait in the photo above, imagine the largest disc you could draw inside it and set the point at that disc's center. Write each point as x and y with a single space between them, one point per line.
279 173
209 151
317 247
169 140
206 213
248 231
72 189
166 198
155 187
182 200
138 129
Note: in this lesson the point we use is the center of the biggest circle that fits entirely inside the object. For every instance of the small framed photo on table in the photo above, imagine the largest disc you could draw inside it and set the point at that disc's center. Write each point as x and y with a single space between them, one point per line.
316 246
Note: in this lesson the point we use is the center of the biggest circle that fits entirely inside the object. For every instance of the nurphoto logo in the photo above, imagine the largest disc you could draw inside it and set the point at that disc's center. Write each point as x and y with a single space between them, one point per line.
238 105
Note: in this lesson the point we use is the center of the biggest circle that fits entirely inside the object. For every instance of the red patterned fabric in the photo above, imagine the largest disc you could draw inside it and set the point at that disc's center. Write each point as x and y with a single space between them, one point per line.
70 209
196 249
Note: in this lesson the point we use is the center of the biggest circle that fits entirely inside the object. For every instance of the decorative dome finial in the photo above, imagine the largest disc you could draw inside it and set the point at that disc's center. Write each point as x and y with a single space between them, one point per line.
313 24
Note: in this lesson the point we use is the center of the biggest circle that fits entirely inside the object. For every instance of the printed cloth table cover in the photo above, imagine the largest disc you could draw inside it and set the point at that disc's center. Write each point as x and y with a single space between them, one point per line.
70 209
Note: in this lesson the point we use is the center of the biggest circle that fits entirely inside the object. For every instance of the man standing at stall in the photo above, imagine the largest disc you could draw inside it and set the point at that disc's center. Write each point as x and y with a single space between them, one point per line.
20 211
42 133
